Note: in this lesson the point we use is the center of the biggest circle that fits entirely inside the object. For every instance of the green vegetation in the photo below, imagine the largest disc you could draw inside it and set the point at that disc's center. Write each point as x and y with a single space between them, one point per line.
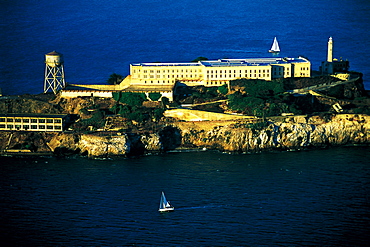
131 99
115 79
129 106
200 59
155 96
260 98
223 89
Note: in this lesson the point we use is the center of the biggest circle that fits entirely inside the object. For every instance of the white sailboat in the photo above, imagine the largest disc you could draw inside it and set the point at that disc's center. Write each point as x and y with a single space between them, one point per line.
165 205
275 47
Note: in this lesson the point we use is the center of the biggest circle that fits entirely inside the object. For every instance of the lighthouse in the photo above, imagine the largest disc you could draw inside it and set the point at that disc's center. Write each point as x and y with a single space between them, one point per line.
332 65
330 50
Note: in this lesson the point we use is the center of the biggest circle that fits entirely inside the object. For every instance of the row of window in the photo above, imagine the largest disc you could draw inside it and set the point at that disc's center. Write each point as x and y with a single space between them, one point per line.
215 83
27 127
240 71
27 120
240 76
163 82
169 76
169 71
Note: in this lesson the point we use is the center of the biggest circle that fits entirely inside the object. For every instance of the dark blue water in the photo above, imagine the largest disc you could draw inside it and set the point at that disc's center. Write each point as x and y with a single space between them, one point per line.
99 38
315 198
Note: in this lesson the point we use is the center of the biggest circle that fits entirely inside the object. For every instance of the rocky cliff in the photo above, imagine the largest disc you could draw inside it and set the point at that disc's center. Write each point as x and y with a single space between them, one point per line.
234 136
291 133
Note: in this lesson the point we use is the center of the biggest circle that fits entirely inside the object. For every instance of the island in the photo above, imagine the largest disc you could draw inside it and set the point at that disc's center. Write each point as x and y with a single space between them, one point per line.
232 105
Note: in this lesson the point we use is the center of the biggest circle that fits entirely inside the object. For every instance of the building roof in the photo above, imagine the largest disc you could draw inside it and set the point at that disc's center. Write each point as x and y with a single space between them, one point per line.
232 62
167 64
33 115
149 88
54 53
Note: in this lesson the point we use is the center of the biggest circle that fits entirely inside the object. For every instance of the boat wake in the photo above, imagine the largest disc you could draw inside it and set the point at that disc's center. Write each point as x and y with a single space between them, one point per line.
200 207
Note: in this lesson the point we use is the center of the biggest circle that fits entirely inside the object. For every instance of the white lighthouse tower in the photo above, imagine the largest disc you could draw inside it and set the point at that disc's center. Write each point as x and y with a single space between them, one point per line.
330 50
54 72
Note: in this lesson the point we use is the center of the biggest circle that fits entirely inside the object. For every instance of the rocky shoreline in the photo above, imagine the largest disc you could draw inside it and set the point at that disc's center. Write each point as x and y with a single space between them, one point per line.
289 133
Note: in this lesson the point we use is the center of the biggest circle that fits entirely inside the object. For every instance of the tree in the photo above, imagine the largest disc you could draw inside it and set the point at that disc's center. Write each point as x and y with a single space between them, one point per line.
155 96
200 59
115 79
131 99
223 89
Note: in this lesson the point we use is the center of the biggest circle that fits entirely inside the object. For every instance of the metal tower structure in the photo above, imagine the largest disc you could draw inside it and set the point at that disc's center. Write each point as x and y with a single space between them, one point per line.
54 72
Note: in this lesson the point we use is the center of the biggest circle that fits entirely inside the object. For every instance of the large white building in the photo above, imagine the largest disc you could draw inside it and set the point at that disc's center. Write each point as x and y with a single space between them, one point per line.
218 72
162 77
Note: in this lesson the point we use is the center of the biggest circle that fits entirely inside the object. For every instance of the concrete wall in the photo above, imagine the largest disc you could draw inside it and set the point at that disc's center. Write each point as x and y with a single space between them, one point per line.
195 115
86 93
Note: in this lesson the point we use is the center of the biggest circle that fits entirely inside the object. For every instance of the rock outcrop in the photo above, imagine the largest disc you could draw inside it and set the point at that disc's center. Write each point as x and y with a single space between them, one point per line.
90 145
284 133
293 133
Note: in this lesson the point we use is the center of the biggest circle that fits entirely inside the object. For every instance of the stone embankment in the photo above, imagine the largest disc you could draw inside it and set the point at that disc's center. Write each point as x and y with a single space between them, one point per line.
284 133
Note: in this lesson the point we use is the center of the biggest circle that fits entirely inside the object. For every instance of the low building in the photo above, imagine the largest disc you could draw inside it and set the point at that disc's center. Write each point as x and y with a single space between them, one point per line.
33 122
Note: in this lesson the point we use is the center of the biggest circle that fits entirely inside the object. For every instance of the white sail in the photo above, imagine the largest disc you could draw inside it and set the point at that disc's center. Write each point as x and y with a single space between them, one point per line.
275 46
165 205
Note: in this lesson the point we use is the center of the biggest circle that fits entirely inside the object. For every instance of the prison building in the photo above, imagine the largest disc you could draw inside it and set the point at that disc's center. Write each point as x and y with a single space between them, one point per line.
218 72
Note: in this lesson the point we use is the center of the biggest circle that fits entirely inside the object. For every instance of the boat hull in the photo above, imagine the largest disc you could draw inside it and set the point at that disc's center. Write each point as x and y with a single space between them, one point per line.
166 209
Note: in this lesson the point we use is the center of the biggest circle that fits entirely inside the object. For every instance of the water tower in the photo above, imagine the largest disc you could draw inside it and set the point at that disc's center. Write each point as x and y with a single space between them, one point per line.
54 72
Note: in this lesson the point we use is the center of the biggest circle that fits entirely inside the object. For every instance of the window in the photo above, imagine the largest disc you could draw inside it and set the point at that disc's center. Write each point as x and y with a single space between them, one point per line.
2 126
26 127
10 120
41 127
33 127
9 126
26 120
18 120
41 120
58 127
49 127
2 119
33 121
49 120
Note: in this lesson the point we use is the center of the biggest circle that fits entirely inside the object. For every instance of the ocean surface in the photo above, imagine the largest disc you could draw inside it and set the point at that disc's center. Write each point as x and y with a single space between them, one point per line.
306 198
99 38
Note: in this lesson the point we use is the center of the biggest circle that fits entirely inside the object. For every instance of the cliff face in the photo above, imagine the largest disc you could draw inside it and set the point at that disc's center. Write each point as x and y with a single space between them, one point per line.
295 133
233 136
90 145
